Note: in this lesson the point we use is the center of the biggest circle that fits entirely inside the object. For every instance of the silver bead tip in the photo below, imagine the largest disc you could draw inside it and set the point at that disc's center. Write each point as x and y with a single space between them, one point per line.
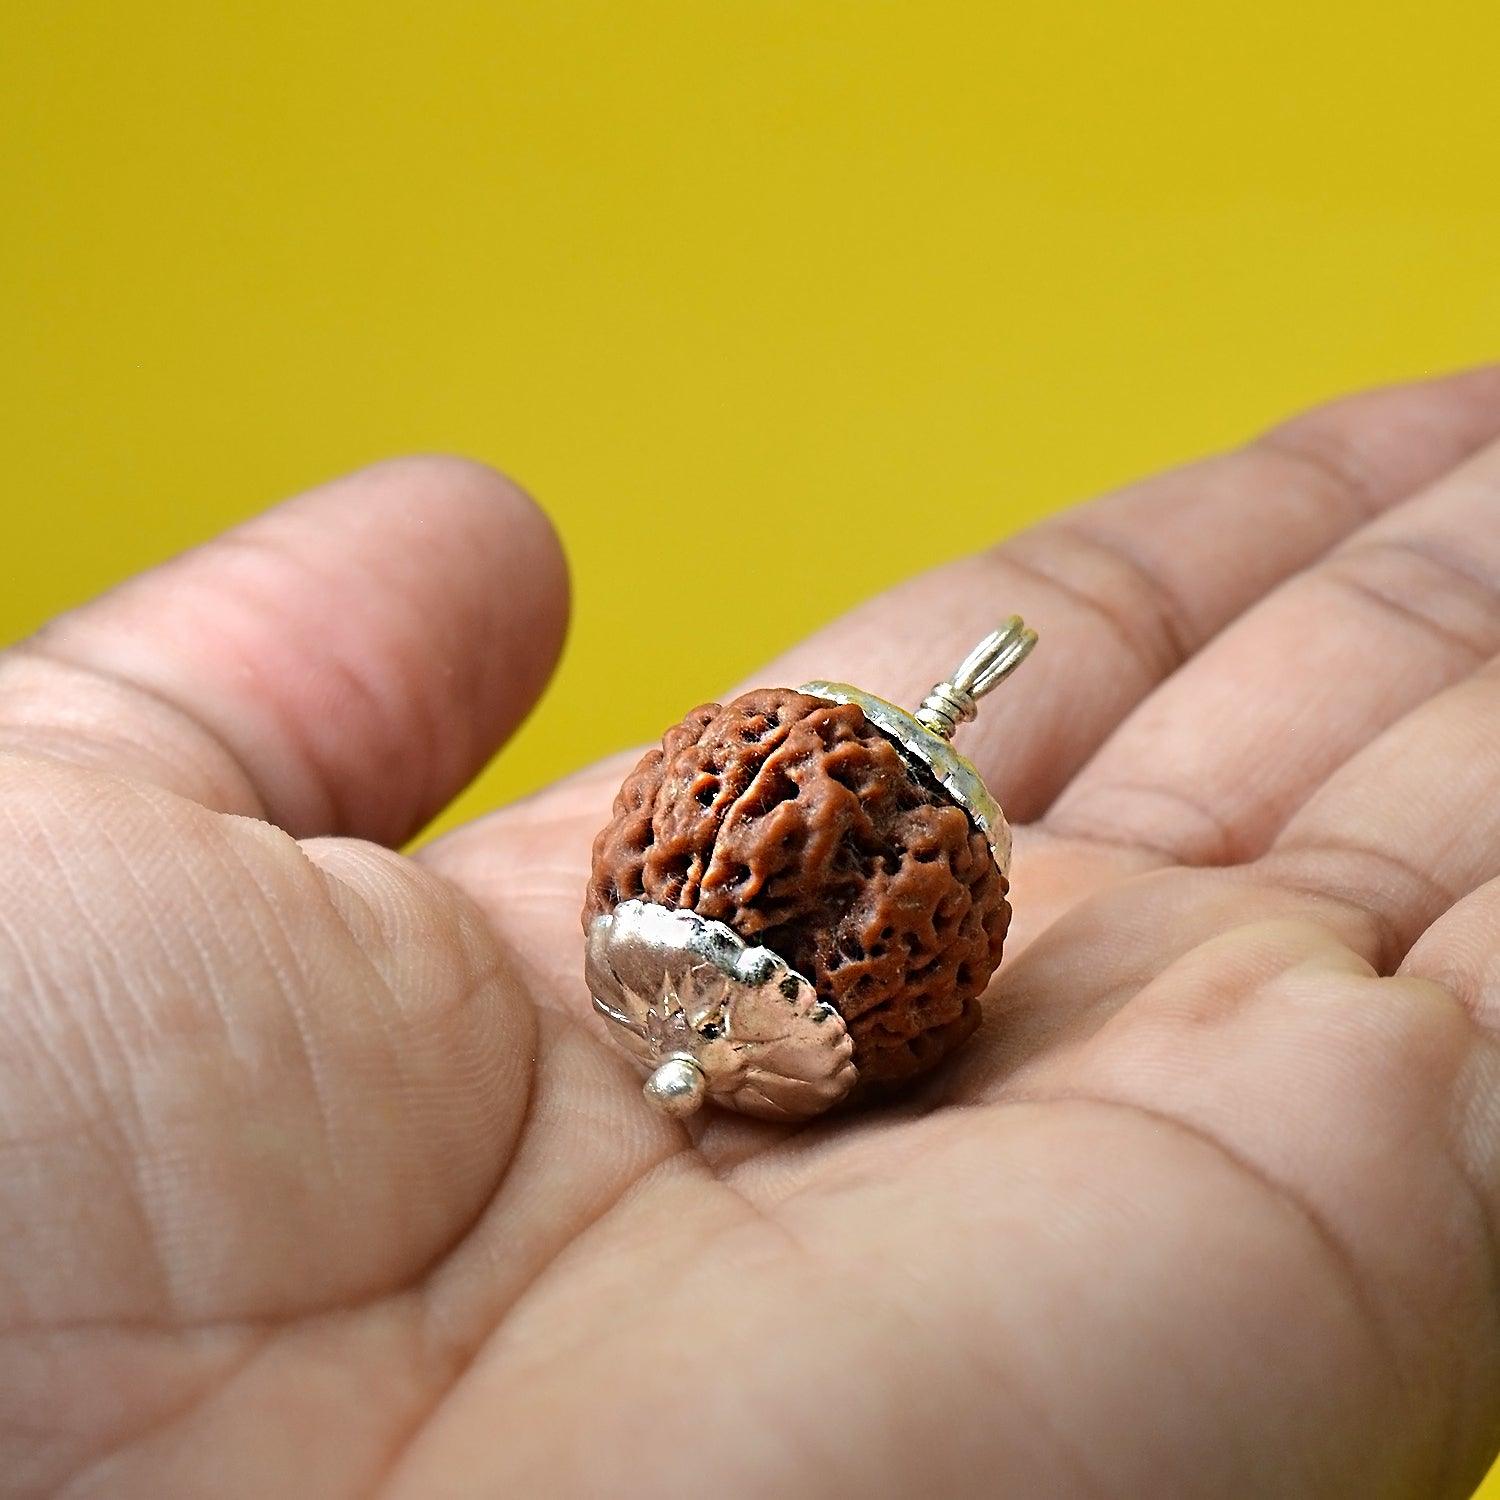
677 1088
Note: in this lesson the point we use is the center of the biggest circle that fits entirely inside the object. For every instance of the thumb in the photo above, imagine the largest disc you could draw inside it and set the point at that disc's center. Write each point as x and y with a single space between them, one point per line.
342 664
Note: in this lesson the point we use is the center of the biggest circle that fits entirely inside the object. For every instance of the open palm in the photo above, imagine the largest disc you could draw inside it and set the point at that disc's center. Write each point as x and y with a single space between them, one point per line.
317 1175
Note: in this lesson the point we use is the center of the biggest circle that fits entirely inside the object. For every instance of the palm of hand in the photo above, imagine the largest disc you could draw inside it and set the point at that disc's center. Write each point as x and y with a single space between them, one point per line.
316 1175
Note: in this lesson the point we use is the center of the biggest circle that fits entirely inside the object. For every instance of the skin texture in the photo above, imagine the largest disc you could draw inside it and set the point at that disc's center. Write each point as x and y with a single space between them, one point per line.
317 1177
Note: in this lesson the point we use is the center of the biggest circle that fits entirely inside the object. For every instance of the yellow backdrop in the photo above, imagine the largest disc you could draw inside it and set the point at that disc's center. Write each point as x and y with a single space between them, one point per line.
706 275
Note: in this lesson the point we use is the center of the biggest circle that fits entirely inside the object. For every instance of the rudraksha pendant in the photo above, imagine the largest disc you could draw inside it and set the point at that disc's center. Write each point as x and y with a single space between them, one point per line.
801 895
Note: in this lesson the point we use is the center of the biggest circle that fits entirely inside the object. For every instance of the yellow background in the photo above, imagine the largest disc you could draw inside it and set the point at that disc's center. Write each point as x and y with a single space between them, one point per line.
857 283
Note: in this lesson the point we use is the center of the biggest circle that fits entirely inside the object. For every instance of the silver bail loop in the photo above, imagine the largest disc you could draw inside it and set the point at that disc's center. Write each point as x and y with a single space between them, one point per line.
954 701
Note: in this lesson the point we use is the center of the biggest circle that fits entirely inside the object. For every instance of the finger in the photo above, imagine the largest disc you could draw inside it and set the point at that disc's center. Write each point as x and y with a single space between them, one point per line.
1214 763
1122 592
1410 826
1407 828
342 664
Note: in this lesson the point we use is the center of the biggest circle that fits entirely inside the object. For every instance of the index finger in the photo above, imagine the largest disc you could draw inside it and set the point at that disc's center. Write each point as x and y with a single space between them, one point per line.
1123 591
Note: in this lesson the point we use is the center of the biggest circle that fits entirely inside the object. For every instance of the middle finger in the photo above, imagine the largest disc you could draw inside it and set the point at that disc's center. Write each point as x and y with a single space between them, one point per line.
1125 590
1213 765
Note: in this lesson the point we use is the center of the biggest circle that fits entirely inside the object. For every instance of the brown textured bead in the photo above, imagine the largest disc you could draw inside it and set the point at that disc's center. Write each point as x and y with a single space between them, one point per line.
798 824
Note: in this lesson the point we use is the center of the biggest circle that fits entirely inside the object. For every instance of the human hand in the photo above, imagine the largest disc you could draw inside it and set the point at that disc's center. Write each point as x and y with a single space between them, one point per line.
317 1175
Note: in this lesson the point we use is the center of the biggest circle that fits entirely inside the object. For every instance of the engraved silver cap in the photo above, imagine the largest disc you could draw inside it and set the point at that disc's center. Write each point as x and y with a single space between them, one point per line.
923 737
713 1017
